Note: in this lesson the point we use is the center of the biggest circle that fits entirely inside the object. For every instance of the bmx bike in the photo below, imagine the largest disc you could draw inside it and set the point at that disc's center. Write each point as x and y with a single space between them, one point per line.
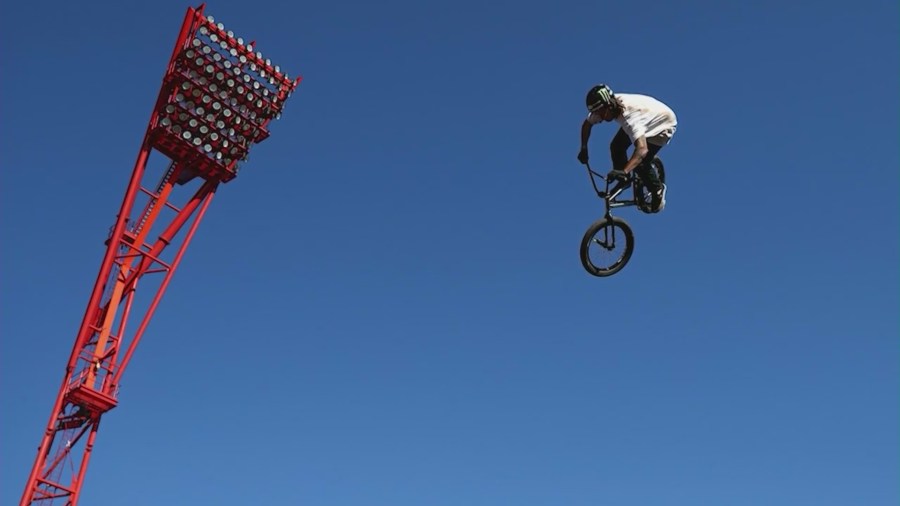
610 233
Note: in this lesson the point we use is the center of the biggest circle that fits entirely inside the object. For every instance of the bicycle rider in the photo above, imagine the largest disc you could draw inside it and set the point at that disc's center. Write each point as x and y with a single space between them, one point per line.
644 121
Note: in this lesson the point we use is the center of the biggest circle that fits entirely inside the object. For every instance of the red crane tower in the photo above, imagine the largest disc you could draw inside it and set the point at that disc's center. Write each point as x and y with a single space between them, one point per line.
217 98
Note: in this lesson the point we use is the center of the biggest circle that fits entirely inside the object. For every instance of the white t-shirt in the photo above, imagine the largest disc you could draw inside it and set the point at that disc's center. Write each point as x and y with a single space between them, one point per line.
643 116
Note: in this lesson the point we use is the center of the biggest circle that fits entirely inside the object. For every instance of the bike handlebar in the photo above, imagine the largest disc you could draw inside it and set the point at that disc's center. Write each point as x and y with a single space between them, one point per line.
592 173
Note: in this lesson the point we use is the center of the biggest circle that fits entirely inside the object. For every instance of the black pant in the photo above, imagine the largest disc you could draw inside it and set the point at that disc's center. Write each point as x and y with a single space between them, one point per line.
619 150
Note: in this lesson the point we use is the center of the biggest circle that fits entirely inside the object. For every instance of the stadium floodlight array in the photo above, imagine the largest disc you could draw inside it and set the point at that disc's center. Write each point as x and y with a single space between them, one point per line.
217 99
220 94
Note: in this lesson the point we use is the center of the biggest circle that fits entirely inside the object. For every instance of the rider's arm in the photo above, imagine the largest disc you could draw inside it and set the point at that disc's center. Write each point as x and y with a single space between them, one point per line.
585 133
637 156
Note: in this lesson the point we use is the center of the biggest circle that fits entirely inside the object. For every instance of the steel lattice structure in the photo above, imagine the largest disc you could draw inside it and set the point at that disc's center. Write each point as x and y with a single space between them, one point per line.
217 99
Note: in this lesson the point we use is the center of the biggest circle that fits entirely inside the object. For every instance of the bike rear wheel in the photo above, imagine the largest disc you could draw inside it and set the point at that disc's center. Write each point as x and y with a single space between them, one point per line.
607 246
660 169
641 193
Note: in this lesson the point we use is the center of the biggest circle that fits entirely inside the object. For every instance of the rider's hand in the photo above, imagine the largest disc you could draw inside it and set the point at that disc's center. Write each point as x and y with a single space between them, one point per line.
618 175
583 155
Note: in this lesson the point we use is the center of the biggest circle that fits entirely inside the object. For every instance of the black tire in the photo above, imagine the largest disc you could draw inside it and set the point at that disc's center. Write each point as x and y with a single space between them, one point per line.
619 230
660 169
639 186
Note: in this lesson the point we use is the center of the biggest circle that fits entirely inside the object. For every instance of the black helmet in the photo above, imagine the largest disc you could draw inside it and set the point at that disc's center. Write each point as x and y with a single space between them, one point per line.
599 96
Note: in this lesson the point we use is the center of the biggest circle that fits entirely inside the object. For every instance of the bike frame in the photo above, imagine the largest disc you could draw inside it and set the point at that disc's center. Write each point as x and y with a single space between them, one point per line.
611 197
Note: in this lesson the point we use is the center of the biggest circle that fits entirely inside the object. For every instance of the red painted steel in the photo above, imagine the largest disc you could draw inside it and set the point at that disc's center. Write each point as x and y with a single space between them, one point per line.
217 98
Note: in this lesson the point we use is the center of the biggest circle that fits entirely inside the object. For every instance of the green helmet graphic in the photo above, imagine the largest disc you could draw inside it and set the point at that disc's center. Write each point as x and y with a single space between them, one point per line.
599 96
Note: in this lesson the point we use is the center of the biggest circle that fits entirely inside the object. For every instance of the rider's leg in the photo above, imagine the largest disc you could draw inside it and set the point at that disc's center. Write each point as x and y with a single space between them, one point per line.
651 179
645 169
618 149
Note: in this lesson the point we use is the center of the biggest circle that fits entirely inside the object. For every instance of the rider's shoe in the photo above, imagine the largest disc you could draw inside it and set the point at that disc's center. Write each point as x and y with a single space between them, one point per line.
658 199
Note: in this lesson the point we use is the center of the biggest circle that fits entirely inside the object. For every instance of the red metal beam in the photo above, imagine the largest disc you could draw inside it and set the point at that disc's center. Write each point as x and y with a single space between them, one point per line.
205 135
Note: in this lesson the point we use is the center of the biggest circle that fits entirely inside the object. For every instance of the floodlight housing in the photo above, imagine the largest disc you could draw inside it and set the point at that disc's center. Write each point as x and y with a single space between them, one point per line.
218 97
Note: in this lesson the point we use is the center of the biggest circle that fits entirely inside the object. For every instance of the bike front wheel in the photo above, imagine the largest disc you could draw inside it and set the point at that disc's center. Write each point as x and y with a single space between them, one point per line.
607 246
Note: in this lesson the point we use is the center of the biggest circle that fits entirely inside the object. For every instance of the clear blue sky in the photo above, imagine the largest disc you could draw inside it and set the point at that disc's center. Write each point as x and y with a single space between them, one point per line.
387 308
